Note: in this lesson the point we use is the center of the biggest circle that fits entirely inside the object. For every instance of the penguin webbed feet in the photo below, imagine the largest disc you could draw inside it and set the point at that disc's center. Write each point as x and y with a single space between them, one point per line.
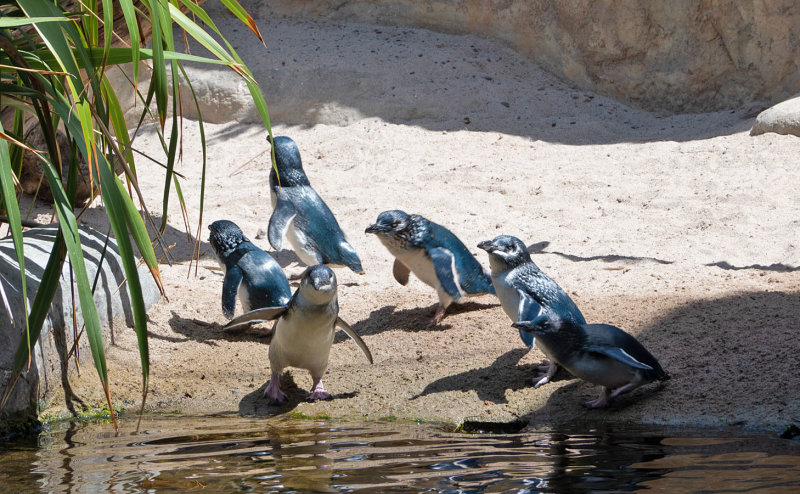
601 401
273 391
318 392
545 372
437 317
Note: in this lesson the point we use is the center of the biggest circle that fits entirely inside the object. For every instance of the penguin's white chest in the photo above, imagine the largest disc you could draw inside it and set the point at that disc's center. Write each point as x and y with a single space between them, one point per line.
508 295
244 297
604 371
301 247
303 341
421 265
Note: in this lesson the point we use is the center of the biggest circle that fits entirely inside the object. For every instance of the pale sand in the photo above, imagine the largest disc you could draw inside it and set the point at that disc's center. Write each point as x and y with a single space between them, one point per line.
682 230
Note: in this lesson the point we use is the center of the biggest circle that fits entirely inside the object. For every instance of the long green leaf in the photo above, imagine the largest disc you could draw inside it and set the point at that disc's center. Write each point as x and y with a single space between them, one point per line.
243 16
14 222
201 36
39 309
159 79
9 22
70 233
118 205
129 12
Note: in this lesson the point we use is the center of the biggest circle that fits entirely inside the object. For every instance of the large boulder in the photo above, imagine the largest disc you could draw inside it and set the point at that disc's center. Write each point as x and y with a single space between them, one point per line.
783 118
679 56
49 368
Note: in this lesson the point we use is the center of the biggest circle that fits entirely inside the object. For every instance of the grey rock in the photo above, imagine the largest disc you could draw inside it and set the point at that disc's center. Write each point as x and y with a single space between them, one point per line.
49 368
783 118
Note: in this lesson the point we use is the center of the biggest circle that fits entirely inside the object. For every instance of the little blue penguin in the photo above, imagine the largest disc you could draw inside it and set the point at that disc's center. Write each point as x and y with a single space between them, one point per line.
526 292
598 353
304 331
250 273
300 214
434 255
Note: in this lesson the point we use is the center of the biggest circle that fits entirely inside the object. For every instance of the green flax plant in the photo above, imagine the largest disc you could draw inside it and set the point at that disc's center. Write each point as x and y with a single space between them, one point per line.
54 56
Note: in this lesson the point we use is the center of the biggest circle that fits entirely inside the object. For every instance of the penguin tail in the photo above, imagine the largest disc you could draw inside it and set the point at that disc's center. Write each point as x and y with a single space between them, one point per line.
350 258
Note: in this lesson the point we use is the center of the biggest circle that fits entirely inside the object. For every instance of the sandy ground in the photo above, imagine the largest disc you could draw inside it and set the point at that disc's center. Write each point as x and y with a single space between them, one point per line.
683 230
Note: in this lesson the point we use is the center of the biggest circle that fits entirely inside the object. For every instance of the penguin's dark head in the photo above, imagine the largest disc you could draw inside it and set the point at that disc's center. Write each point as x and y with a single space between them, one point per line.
224 237
319 278
287 158
542 325
506 250
391 223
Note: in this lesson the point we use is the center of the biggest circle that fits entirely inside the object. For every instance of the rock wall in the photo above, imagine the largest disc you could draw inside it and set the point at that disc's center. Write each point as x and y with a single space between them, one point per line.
678 56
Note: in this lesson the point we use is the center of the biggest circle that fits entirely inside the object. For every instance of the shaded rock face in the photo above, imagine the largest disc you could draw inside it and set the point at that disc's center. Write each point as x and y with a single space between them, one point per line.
678 56
51 365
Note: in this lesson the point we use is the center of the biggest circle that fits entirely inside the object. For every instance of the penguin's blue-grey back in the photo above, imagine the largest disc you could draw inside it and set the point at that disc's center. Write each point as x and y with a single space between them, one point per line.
606 334
314 216
267 284
551 296
472 277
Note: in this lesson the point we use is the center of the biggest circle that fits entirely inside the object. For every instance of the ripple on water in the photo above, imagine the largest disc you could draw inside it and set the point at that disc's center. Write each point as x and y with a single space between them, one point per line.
232 453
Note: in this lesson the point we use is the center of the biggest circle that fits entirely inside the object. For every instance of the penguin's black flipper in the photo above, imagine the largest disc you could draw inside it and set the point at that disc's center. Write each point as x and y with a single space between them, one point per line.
618 354
354 336
400 272
265 314
279 222
529 309
230 289
444 266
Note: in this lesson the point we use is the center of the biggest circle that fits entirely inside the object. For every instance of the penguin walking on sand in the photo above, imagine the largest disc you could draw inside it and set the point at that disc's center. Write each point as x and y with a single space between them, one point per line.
598 353
250 273
300 214
525 292
304 332
434 255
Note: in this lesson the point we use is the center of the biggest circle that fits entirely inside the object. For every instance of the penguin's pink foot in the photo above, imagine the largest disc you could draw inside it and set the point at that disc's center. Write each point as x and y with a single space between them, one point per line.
318 392
437 317
600 402
545 372
273 392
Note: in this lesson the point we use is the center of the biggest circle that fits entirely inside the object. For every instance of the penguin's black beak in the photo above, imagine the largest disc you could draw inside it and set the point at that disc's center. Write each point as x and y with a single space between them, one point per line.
488 246
523 325
376 228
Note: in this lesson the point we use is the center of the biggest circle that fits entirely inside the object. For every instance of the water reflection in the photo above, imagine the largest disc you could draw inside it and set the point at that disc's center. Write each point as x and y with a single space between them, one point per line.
232 454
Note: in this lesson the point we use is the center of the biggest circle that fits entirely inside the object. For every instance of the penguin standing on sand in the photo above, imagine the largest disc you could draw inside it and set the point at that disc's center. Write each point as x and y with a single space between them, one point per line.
525 292
598 353
434 255
304 331
250 273
300 214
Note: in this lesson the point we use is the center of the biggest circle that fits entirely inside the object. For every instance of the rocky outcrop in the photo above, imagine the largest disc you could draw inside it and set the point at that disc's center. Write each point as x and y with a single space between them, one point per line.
678 56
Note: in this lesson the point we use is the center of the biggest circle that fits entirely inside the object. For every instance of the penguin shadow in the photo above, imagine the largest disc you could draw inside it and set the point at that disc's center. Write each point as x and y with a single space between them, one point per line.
492 382
412 320
209 333
255 403
718 353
